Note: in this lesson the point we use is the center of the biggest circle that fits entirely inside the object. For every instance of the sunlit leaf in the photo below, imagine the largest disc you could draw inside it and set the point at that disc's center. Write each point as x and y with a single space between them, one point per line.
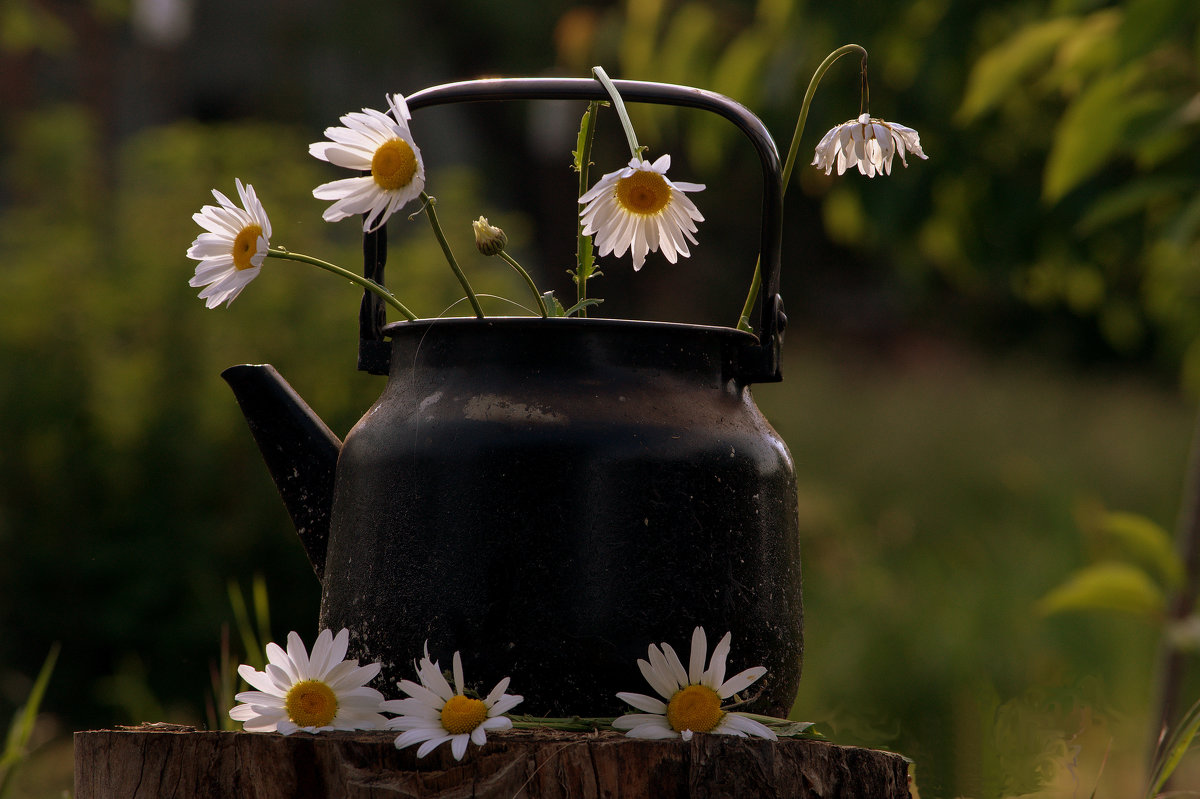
1006 68
1091 47
1092 130
738 74
687 43
1107 586
1146 542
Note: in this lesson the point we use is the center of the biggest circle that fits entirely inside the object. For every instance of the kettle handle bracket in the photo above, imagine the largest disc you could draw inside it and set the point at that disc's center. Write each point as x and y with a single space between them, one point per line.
374 353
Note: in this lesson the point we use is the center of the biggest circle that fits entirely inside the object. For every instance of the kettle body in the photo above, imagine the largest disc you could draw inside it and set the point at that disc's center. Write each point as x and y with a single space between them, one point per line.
551 496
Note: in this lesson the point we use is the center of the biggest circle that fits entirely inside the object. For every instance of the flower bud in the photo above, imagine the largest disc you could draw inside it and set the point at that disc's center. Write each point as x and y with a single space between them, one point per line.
490 239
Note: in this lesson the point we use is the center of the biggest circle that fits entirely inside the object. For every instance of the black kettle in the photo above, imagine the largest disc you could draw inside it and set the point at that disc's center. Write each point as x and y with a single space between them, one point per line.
550 496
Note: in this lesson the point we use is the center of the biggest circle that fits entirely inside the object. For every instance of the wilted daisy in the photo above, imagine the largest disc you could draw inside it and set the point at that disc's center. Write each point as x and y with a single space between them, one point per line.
435 712
231 253
692 697
313 694
376 142
868 143
638 208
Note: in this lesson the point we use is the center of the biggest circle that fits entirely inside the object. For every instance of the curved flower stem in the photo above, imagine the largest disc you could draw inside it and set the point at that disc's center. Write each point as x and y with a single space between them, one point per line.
528 281
808 96
794 148
366 283
430 202
619 104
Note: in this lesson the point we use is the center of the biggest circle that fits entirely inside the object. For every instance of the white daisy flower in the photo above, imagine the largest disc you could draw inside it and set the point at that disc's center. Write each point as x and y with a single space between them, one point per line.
693 697
231 253
435 712
868 143
638 208
313 694
381 144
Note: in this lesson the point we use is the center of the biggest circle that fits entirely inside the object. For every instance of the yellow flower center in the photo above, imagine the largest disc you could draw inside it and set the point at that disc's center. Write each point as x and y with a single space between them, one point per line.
643 192
462 714
245 246
311 703
696 708
393 165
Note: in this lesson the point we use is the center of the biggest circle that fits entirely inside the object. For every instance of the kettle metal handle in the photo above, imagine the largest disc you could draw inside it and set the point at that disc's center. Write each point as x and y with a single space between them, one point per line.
759 363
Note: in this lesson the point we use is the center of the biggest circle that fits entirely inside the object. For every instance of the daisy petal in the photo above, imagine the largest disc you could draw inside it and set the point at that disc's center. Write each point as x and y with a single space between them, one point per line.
643 702
458 745
662 684
698 653
736 722
715 675
739 682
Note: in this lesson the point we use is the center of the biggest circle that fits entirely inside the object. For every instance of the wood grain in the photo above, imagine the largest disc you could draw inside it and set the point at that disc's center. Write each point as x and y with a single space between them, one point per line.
150 763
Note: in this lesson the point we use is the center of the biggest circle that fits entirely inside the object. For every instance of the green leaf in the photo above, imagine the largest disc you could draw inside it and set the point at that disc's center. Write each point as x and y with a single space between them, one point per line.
1107 586
1092 130
798 729
688 43
1130 199
588 303
1089 50
19 733
1146 542
738 72
554 308
1006 67
587 126
1177 746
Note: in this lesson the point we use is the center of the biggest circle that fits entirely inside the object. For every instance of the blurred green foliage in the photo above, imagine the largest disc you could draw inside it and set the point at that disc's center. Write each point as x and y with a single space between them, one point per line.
128 479
937 509
1058 213
1107 98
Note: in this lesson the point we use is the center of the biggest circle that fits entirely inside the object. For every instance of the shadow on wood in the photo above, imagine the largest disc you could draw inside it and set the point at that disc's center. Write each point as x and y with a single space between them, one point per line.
143 763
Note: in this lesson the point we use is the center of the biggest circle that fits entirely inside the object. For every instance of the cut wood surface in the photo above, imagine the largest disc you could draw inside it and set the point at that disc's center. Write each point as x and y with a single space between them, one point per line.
180 763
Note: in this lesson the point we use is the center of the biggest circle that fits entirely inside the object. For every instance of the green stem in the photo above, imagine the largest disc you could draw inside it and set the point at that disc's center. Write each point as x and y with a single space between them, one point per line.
571 723
366 283
751 298
619 104
537 295
430 202
584 260
793 149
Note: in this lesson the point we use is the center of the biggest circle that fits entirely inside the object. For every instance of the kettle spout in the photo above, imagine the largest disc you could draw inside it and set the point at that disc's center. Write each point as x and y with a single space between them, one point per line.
300 451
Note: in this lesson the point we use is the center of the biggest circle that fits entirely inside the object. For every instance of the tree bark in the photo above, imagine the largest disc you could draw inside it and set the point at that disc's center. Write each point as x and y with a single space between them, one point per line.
153 763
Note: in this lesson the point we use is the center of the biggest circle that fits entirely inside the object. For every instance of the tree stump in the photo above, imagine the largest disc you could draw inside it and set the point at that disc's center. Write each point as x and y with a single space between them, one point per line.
156 761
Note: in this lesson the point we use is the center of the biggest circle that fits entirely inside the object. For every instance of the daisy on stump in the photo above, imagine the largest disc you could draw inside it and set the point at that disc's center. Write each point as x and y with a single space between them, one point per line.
691 698
314 693
436 712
